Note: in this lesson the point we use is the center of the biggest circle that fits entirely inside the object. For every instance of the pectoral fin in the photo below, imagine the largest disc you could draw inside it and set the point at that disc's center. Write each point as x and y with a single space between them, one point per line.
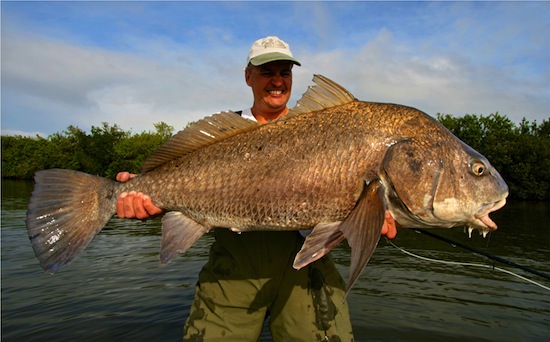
178 234
363 227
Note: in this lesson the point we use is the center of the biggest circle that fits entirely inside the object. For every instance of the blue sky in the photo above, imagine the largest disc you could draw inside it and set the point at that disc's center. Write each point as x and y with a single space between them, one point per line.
136 63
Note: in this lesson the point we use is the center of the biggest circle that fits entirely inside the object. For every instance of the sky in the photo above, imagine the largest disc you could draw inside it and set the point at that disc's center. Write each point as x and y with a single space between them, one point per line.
137 63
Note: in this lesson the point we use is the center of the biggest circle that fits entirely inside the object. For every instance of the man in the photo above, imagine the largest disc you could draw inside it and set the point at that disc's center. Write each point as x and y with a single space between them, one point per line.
249 276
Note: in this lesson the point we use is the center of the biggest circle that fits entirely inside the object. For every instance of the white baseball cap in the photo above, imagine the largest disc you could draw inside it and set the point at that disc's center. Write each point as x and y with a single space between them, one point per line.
269 49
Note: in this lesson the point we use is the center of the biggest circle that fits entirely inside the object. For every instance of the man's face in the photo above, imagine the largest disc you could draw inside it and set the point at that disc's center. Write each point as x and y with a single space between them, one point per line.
271 84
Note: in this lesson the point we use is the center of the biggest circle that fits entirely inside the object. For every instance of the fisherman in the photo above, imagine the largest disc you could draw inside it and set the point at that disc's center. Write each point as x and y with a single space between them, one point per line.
249 276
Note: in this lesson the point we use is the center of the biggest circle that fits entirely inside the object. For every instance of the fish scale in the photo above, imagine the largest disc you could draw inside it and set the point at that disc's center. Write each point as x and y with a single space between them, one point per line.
276 191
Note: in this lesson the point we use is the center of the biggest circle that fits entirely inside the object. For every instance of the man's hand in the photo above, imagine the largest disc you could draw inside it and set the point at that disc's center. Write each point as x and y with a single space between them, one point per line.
389 228
134 204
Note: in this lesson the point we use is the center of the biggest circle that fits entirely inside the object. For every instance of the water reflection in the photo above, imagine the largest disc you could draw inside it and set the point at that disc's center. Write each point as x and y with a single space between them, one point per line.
117 290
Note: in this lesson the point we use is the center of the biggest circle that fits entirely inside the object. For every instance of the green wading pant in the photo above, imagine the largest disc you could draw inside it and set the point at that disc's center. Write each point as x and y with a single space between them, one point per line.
249 277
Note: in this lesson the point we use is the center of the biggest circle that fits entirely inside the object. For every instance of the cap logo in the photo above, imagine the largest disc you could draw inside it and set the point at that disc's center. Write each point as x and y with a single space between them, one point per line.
273 43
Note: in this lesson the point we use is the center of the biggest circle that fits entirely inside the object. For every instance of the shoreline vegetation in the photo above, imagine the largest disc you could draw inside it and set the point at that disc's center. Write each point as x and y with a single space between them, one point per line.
520 152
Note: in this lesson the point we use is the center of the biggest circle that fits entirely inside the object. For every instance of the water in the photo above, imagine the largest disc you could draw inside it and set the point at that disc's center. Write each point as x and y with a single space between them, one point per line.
117 291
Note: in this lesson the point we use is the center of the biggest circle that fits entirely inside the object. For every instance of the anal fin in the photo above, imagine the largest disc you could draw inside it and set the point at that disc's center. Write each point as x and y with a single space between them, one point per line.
323 238
179 232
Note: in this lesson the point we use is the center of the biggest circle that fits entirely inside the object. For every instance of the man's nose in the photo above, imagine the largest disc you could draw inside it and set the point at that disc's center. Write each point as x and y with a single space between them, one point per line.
277 80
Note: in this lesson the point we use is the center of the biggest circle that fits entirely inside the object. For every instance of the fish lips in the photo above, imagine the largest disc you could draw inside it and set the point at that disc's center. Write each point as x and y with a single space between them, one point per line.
482 221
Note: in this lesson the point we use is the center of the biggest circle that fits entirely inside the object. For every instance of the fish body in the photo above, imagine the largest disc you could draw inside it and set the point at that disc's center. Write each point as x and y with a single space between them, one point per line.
334 164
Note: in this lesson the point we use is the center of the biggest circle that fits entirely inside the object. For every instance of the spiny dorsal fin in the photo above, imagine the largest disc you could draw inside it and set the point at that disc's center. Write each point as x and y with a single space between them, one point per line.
203 133
324 94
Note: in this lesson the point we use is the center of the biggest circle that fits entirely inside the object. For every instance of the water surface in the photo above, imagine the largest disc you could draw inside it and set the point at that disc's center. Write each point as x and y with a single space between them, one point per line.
117 291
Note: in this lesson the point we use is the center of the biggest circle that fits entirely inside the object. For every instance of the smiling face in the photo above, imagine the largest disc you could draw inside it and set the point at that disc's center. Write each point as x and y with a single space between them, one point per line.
271 85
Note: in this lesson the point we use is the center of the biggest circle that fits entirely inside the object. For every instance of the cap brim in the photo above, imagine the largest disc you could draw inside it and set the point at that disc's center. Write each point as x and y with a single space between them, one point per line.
272 57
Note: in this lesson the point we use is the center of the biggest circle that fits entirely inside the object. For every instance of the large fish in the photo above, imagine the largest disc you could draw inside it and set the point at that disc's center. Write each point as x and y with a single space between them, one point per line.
333 164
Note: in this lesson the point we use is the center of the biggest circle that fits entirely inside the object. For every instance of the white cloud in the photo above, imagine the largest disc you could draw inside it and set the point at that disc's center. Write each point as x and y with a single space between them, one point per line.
388 70
457 64
90 85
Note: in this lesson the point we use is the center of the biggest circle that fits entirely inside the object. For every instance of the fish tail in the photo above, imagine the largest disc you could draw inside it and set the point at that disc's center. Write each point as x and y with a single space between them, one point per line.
66 211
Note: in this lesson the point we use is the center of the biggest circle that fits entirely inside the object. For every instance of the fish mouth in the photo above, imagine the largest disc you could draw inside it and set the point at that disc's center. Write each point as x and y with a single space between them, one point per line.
482 221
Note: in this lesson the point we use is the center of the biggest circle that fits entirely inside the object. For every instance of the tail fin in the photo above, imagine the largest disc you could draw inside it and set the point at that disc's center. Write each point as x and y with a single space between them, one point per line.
66 211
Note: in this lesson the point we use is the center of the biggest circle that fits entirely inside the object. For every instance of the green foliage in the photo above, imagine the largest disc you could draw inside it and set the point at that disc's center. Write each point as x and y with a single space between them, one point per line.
132 152
105 151
20 157
520 153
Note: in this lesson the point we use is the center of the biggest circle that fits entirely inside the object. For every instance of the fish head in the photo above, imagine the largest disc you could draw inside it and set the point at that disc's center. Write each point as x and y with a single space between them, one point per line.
470 189
442 183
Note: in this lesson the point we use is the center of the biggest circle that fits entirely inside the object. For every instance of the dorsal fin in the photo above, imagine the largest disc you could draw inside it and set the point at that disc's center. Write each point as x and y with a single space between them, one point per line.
324 94
202 133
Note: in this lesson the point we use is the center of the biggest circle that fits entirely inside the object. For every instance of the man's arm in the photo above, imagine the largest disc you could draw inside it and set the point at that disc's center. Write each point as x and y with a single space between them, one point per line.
138 205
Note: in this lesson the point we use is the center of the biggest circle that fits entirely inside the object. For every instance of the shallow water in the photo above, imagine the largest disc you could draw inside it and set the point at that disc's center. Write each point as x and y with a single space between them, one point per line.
117 290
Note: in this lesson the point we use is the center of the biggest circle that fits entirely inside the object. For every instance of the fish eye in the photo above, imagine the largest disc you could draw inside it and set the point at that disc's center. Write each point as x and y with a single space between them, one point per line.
478 168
